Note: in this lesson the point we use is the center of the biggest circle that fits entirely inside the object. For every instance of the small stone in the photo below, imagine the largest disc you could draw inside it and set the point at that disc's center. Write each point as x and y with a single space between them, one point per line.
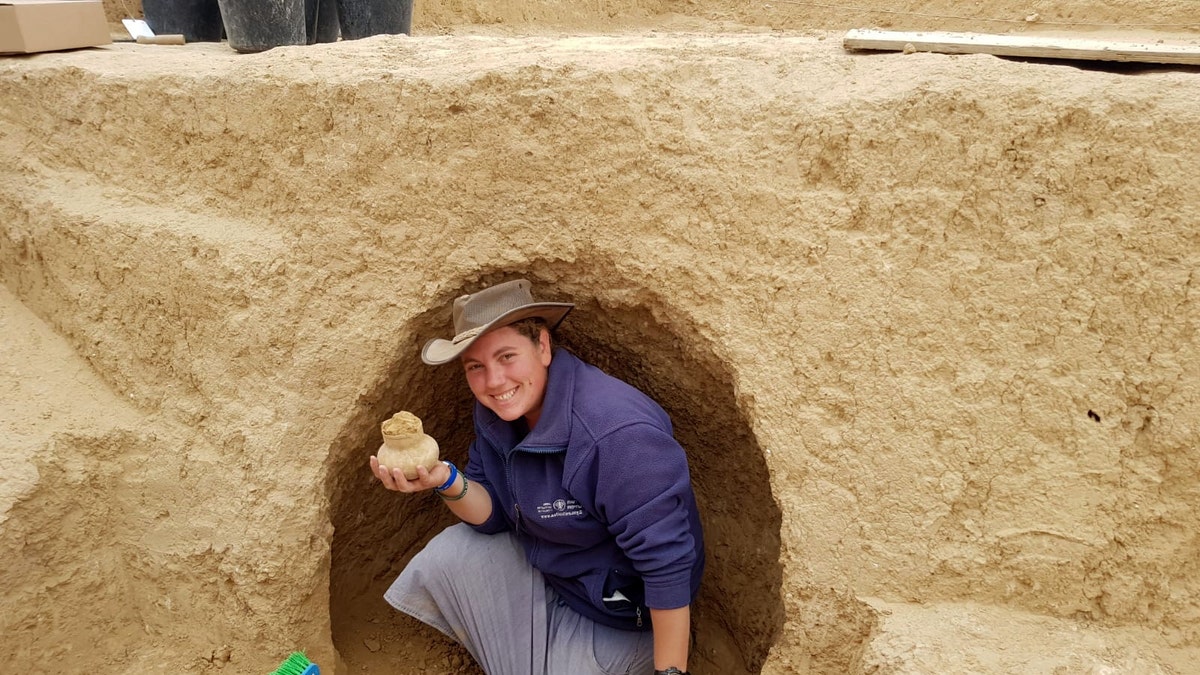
372 644
1033 18
909 48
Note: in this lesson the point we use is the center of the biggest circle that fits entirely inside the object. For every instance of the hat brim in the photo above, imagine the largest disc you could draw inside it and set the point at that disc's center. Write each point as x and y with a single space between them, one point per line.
438 351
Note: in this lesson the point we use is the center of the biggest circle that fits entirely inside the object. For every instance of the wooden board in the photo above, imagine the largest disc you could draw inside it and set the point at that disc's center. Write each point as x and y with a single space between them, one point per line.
1021 45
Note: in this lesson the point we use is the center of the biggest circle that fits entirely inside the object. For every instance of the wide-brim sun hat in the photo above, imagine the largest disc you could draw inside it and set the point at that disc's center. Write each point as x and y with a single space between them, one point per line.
477 313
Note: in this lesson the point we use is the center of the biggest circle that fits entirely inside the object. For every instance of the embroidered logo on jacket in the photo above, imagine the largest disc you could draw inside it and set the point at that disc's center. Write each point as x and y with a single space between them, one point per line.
560 508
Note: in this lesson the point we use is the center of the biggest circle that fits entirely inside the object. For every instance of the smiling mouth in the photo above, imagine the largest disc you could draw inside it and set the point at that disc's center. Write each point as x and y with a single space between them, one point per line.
506 395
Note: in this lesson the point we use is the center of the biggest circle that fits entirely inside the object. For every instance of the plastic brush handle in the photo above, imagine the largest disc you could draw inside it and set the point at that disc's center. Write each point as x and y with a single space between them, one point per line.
312 670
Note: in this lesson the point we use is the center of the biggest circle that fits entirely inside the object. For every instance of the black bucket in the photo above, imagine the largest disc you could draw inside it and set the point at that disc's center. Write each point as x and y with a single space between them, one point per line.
195 20
321 18
364 18
259 25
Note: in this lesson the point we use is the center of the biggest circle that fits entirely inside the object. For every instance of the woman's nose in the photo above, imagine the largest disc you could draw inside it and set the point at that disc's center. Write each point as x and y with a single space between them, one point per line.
495 376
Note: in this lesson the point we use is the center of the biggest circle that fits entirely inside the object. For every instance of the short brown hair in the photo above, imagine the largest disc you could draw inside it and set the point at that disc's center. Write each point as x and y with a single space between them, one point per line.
531 328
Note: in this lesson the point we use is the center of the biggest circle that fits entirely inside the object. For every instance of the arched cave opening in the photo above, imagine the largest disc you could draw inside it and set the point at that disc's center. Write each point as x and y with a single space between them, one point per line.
739 613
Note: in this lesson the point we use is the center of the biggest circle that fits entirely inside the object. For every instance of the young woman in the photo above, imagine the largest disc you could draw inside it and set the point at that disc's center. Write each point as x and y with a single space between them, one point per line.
580 549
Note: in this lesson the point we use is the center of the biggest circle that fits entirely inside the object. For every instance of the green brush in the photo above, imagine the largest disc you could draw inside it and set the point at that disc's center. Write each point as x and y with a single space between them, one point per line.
297 664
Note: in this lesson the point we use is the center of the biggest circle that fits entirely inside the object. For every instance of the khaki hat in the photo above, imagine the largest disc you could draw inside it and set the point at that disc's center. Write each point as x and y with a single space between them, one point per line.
480 312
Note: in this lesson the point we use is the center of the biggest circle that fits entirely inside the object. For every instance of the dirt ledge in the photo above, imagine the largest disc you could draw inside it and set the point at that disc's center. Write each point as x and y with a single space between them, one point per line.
936 312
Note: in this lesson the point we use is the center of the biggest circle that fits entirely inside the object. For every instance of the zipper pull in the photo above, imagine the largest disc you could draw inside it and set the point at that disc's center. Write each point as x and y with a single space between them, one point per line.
517 508
639 617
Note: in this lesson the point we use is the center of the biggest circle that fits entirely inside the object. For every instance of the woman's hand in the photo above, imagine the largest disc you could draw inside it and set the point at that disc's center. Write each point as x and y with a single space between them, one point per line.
393 479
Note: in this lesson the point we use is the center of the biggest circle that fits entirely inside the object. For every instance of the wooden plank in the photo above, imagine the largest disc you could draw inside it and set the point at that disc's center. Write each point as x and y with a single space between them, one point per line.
1021 45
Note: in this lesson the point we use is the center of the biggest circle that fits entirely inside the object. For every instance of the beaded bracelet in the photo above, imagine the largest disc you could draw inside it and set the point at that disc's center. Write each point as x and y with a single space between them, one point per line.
458 496
450 480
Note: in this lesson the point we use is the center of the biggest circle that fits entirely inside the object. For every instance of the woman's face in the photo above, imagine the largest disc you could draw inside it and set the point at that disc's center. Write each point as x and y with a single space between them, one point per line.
507 373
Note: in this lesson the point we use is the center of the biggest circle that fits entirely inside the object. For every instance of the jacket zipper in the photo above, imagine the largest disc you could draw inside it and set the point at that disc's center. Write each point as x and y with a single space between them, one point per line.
512 487
639 617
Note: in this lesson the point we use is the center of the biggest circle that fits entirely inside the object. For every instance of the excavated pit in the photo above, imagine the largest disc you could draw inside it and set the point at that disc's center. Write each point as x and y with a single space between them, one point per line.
740 611
938 313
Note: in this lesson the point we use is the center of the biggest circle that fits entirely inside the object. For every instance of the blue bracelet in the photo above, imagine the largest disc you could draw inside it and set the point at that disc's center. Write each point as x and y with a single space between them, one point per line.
450 481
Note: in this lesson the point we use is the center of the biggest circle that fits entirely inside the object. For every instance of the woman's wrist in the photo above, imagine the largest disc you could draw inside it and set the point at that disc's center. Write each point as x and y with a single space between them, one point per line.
450 480
447 491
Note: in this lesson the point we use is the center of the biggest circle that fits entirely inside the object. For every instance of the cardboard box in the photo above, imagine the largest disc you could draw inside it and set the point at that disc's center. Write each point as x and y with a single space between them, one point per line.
47 25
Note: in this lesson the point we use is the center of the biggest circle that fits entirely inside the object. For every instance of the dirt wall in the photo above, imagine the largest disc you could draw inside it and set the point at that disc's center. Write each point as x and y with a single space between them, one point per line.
926 324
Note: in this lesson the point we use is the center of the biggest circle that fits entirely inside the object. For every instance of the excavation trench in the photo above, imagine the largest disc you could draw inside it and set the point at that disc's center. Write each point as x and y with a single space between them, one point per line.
950 300
739 613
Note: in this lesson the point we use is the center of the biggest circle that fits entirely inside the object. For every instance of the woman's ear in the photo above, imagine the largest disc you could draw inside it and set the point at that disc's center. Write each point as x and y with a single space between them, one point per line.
544 350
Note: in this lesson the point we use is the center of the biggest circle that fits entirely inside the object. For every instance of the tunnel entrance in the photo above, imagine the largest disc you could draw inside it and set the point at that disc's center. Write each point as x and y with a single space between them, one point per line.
739 613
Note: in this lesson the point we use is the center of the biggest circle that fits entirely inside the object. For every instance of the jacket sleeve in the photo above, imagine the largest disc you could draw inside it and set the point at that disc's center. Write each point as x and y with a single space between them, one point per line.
643 493
477 474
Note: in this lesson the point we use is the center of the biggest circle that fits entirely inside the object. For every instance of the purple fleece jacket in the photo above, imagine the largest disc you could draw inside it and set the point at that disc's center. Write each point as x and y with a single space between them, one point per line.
598 494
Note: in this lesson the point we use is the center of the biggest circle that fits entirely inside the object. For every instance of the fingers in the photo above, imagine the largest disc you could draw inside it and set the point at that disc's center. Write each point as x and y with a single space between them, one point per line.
394 479
402 483
423 481
423 475
381 473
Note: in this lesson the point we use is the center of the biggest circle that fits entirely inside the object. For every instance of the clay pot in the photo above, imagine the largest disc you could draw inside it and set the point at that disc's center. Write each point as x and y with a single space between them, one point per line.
408 451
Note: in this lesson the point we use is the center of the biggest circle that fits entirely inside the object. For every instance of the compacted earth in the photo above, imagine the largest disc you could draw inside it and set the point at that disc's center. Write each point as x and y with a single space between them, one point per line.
925 324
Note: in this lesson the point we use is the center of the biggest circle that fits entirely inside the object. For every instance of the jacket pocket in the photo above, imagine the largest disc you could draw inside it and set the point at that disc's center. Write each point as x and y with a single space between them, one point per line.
624 597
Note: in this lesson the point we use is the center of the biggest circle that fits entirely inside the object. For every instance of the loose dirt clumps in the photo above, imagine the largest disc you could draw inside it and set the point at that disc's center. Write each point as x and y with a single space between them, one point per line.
926 326
402 423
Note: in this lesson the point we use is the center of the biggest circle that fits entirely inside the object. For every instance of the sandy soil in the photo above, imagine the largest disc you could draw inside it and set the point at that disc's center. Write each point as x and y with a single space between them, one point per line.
988 16
926 324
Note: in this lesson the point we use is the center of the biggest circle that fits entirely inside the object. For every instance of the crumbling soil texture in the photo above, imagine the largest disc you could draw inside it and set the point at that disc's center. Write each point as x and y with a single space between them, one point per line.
926 325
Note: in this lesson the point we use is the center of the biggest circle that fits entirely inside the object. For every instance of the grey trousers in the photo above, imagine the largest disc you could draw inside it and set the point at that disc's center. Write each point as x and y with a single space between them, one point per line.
480 590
